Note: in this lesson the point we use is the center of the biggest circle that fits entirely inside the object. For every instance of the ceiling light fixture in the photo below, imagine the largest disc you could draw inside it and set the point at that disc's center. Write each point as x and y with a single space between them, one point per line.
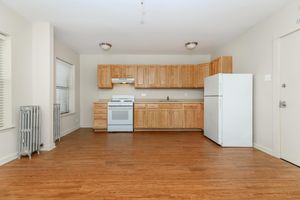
105 46
191 45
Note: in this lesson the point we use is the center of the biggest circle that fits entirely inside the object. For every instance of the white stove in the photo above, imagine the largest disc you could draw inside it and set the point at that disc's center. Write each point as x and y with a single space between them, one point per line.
120 113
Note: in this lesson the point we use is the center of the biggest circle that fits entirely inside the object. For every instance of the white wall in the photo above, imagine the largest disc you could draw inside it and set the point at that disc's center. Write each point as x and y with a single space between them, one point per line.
43 78
20 31
70 122
90 91
253 53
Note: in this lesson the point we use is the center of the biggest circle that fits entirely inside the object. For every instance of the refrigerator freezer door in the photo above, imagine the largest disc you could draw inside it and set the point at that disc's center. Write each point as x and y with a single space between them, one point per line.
213 118
213 85
237 110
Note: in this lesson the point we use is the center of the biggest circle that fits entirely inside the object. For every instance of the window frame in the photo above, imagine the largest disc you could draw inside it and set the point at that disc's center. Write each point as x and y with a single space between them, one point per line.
71 87
8 109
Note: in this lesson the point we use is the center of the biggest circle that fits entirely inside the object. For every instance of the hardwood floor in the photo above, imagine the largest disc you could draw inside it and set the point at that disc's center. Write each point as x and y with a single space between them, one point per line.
87 165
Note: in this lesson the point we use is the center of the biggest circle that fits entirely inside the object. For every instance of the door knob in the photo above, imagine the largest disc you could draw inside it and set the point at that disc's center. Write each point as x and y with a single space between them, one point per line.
282 104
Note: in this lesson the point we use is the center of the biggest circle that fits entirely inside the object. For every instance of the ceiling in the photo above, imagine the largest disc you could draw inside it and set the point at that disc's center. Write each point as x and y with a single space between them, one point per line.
167 24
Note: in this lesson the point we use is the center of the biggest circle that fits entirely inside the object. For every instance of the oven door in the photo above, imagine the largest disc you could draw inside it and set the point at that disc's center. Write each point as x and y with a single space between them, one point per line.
120 115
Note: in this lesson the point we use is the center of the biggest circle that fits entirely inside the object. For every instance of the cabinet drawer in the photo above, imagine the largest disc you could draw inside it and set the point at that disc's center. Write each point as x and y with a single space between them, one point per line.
100 105
192 106
100 116
152 106
139 106
100 111
170 106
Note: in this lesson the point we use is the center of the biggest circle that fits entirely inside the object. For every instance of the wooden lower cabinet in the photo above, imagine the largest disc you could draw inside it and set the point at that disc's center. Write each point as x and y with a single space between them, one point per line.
168 116
140 116
100 116
193 116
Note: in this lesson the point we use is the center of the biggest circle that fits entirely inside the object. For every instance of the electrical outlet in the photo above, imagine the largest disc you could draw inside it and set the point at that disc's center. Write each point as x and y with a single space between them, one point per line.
186 94
143 94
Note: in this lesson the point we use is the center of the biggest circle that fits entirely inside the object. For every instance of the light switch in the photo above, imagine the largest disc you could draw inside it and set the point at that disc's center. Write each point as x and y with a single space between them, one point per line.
268 77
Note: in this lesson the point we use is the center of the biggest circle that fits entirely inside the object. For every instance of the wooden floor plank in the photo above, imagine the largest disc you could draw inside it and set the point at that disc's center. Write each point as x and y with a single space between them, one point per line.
146 165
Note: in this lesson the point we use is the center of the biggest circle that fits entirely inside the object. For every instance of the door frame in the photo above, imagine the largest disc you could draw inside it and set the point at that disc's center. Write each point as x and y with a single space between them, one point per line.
276 90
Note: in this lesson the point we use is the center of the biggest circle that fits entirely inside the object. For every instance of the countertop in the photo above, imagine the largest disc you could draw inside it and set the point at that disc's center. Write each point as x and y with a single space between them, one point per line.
158 101
171 101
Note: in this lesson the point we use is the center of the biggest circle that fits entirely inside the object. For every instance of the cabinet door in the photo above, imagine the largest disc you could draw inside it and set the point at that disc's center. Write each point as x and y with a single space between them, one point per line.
192 115
176 118
152 76
163 118
153 118
141 77
162 72
140 118
214 67
200 73
104 76
174 80
130 71
117 71
225 64
187 76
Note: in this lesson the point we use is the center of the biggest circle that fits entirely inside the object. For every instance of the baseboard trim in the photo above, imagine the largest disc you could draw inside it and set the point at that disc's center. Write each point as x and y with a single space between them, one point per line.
8 158
66 132
48 147
263 149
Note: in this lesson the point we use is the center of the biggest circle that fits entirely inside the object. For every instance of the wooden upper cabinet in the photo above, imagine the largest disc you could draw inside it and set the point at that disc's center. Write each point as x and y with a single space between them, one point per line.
104 76
221 65
152 76
200 73
187 76
162 79
130 71
141 80
117 71
123 71
174 78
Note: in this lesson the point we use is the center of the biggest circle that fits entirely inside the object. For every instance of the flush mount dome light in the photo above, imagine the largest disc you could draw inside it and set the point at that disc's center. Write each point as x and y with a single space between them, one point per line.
191 45
105 46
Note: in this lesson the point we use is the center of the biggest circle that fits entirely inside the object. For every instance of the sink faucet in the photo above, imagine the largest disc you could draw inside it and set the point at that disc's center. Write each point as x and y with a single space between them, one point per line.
168 98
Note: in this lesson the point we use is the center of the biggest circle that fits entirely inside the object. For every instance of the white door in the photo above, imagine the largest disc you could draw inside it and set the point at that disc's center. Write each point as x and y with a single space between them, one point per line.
212 118
290 95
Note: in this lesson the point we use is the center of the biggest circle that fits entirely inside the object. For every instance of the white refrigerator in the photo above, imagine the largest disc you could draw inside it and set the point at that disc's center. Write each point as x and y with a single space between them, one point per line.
228 100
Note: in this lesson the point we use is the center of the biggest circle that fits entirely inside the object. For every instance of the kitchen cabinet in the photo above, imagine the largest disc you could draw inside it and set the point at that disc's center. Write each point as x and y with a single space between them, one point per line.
200 73
152 76
163 79
168 116
193 115
100 116
122 71
174 78
187 76
141 77
221 65
104 77
140 116
162 76
153 116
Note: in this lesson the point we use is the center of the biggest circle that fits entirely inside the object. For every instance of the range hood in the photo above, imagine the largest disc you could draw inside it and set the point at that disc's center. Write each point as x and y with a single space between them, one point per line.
122 80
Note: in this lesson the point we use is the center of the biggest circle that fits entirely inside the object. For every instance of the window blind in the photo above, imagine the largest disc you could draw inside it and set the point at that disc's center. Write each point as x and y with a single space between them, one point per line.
63 85
5 93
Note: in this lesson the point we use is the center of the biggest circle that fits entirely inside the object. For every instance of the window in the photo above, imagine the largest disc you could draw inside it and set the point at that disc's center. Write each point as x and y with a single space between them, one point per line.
65 86
5 83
